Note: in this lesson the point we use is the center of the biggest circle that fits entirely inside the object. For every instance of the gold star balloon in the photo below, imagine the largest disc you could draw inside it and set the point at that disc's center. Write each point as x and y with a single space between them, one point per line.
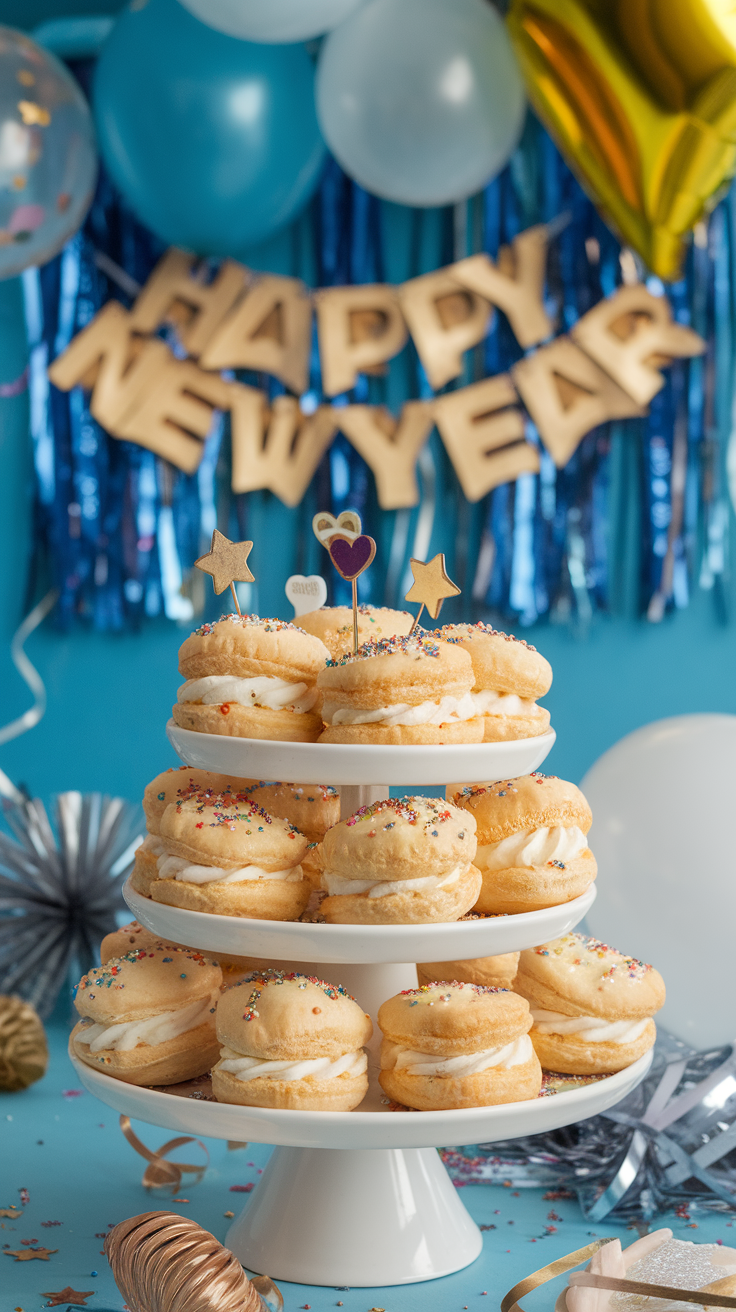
432 584
227 563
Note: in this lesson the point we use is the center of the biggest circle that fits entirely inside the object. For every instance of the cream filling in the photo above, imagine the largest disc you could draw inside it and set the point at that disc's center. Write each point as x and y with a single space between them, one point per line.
590 1028
532 847
306 1068
177 867
446 711
153 844
488 702
337 886
394 1057
150 1030
275 694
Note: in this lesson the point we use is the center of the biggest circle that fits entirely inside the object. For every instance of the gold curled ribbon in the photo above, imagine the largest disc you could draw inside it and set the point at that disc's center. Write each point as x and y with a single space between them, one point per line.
586 1280
510 1302
160 1174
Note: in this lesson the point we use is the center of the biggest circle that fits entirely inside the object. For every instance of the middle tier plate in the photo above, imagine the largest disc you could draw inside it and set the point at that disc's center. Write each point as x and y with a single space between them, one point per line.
293 940
342 763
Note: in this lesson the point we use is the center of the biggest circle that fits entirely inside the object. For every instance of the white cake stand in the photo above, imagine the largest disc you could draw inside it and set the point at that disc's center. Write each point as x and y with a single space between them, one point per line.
358 1198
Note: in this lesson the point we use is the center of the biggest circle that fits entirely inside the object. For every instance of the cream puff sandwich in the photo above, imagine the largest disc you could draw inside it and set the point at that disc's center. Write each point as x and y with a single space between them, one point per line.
532 842
133 935
403 861
290 1040
457 1045
592 1007
509 676
170 786
400 690
493 972
312 808
148 1017
228 856
333 625
250 678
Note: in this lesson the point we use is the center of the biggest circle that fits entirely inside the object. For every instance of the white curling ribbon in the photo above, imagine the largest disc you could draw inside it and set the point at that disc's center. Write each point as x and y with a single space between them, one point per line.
150 1030
593 1029
262 690
394 1057
337 886
177 867
532 847
320 1068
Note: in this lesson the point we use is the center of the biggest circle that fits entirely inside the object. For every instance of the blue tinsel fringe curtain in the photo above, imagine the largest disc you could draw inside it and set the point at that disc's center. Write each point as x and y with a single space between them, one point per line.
117 529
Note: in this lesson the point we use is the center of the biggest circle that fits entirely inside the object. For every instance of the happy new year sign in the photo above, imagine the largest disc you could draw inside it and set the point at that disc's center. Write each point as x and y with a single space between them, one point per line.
608 367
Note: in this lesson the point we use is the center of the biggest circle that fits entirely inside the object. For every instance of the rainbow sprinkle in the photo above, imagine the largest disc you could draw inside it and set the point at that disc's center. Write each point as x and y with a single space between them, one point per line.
418 645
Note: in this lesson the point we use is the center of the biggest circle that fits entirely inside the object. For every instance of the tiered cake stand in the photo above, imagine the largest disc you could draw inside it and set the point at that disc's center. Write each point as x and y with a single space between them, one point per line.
358 1198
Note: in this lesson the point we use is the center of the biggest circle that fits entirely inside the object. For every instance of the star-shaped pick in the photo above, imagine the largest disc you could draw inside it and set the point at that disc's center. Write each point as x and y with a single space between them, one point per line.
431 584
26 1254
227 562
77 1297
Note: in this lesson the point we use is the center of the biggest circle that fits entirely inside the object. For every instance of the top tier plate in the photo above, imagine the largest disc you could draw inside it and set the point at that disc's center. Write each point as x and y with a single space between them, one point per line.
339 763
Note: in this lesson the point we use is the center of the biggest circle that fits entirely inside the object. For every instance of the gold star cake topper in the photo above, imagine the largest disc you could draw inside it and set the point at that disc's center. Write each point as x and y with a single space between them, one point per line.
227 563
432 584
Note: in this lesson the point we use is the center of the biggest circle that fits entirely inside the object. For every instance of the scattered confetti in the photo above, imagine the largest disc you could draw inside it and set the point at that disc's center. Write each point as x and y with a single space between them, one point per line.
76 1297
242 1188
27 1254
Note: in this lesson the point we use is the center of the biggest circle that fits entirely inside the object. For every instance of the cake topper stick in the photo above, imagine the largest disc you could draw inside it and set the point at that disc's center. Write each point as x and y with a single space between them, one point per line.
227 562
431 585
351 551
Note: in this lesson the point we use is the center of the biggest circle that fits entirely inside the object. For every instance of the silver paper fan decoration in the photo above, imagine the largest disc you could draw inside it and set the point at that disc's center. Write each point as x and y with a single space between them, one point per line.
60 888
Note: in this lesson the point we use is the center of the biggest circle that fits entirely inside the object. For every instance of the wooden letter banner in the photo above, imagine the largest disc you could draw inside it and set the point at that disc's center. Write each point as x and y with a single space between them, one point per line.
608 367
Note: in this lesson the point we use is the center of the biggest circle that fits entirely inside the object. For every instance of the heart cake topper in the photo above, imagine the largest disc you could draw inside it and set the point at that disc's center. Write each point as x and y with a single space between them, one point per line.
347 524
306 592
351 558
351 550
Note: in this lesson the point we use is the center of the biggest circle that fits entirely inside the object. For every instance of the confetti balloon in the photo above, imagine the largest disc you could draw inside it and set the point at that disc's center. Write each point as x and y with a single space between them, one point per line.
48 163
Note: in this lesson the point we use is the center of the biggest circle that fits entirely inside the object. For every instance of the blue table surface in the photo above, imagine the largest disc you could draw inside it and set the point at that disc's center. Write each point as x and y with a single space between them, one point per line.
81 1176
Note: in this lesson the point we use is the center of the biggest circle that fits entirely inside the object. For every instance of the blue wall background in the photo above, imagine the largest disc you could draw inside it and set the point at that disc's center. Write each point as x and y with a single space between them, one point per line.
109 696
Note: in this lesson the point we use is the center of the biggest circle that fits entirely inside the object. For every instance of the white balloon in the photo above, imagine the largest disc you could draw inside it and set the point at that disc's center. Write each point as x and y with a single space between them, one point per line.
663 802
272 22
421 101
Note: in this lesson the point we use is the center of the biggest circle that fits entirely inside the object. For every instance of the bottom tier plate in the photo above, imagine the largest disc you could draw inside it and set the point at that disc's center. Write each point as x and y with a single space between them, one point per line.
373 1125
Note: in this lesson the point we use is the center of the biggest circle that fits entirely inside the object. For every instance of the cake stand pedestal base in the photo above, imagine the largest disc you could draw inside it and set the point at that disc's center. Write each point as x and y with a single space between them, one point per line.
355 1217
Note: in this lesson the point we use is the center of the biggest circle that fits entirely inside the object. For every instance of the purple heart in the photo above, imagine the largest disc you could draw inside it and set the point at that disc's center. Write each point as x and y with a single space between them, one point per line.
351 558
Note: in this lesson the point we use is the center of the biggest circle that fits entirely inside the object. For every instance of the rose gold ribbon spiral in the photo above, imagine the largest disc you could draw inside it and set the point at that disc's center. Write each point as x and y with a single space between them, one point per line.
159 1173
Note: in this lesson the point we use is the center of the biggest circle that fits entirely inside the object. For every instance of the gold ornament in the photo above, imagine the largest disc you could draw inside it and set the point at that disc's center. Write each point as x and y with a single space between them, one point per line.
23 1052
162 1262
432 584
641 99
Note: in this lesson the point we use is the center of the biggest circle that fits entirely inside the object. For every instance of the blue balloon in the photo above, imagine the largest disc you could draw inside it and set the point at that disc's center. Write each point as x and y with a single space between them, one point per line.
213 141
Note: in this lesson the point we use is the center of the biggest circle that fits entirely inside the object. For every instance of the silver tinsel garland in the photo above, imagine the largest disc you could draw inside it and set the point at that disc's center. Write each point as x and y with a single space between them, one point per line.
60 888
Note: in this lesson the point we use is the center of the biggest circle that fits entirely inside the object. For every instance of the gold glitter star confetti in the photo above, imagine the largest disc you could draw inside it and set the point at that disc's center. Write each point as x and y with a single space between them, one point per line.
227 563
27 1254
12 1212
32 114
432 584
77 1297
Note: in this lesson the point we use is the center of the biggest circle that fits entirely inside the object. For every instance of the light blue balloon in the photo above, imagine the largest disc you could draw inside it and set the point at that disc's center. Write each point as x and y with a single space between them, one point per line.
214 142
421 101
